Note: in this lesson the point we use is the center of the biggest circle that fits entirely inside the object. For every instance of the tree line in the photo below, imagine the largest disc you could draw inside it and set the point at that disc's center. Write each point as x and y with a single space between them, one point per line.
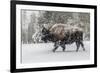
32 22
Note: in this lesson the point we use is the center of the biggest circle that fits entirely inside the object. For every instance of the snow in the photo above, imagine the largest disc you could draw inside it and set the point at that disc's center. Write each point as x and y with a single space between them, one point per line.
36 37
42 52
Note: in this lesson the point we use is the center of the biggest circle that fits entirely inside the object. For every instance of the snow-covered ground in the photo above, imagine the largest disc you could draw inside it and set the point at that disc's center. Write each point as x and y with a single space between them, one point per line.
42 52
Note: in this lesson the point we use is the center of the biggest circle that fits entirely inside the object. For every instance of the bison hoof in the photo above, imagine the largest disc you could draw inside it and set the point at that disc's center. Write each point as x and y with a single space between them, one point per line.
76 50
83 49
53 50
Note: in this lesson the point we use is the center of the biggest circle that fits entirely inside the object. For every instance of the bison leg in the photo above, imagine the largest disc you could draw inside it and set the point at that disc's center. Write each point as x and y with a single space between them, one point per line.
63 45
78 45
55 47
82 46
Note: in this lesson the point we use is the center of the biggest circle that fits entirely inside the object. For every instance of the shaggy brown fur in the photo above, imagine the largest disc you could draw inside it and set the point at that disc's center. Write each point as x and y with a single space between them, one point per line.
59 30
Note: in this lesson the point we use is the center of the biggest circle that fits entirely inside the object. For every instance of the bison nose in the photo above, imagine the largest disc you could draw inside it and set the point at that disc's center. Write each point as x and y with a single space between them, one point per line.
41 38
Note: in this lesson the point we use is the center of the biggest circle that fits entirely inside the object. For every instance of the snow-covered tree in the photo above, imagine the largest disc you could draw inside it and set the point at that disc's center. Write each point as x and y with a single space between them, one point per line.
32 22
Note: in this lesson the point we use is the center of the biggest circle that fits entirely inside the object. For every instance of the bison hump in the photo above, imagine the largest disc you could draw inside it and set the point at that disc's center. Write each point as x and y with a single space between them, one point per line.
58 31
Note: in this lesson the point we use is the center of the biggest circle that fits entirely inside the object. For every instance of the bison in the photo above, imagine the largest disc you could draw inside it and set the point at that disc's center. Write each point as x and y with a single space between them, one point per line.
61 35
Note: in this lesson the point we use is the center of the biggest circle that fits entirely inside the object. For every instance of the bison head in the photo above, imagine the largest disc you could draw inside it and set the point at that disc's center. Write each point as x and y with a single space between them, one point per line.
45 34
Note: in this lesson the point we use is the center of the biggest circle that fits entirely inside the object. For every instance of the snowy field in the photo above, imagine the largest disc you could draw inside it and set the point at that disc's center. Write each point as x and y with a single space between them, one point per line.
42 52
